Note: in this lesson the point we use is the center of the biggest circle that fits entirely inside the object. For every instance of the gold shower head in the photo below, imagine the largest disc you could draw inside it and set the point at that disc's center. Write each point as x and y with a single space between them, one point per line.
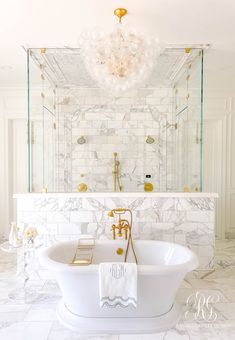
150 140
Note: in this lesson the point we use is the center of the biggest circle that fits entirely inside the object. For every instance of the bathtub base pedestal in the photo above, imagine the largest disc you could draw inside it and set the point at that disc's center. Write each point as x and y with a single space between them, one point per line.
118 325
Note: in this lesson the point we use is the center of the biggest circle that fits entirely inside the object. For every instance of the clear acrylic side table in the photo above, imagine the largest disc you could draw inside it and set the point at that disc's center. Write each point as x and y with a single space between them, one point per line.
25 253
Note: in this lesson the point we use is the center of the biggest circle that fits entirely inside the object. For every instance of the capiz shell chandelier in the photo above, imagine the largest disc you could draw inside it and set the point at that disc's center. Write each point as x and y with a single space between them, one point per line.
120 60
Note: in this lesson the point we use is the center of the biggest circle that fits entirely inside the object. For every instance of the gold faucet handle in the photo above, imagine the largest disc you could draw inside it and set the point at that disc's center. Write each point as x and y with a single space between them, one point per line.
110 213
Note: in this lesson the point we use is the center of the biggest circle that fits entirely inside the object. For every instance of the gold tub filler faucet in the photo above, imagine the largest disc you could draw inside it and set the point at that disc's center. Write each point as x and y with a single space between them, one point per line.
123 226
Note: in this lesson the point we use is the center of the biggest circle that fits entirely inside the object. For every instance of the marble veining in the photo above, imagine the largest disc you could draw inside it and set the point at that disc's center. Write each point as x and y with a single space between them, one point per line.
184 219
119 128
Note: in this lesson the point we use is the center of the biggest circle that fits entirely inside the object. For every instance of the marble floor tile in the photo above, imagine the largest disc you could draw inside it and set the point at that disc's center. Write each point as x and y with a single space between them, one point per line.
177 333
44 313
157 336
26 331
226 309
229 293
12 317
203 284
200 331
58 332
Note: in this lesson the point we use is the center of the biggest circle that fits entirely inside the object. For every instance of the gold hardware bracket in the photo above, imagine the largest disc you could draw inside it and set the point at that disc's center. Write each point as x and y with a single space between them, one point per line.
148 187
120 12
82 187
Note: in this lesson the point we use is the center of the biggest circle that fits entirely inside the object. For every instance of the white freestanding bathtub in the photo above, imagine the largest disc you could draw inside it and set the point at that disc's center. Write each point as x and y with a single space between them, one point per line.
161 268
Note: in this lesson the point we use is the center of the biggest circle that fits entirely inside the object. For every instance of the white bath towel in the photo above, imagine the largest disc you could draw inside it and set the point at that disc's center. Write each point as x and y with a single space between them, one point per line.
118 284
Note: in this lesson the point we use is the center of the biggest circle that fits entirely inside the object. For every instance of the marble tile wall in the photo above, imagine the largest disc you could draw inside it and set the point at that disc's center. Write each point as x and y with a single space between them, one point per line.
187 221
115 125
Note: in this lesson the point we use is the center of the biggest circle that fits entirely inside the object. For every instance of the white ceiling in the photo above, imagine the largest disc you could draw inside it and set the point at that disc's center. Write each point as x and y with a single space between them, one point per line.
57 23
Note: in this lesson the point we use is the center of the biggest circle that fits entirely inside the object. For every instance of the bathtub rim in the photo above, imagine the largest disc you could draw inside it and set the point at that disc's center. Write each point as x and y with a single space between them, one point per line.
55 266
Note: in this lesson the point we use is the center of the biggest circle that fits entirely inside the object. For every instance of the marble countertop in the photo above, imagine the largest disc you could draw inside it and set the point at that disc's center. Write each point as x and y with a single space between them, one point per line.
119 194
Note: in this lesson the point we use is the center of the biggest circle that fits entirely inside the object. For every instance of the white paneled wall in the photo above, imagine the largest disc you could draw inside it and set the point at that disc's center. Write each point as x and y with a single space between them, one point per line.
3 175
230 183
219 153
13 151
19 159
213 155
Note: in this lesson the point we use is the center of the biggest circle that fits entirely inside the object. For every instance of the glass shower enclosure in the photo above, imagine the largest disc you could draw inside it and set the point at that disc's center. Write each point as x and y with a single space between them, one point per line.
82 138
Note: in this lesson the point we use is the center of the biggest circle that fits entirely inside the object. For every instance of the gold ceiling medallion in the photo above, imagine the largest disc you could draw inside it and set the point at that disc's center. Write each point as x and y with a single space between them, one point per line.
120 12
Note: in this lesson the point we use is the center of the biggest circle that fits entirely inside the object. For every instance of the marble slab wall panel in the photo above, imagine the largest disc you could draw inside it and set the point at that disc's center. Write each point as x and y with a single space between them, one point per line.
187 221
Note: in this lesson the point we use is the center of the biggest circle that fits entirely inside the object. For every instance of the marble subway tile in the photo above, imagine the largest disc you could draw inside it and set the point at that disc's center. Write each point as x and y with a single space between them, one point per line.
147 215
93 204
46 228
45 204
33 217
186 227
115 202
58 217
197 204
178 217
164 227
206 250
69 228
200 216
163 203
69 204
81 216
140 204
180 239
25 204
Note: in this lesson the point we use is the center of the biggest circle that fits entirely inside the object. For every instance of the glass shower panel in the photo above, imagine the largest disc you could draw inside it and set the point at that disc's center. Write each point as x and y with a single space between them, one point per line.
75 127
41 129
188 114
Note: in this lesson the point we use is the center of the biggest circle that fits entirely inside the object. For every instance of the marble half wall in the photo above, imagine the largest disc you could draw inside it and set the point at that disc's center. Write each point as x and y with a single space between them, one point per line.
188 221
